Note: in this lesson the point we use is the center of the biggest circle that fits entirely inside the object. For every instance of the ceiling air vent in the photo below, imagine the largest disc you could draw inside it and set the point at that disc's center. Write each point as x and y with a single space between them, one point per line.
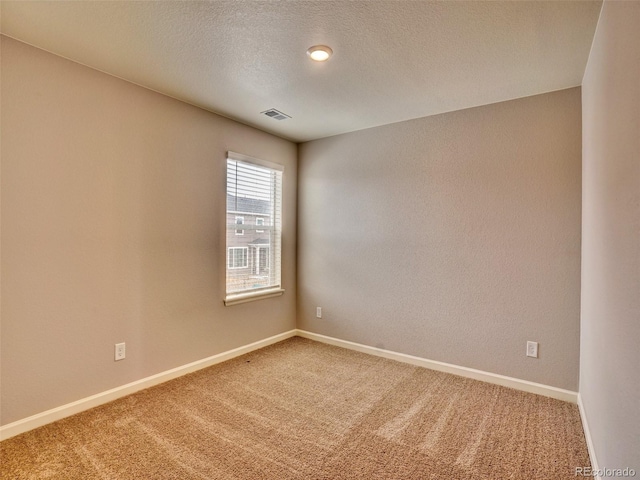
277 114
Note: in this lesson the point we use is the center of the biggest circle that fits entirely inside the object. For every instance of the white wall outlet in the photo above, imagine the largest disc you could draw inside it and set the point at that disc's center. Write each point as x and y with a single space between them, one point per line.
319 312
532 349
120 351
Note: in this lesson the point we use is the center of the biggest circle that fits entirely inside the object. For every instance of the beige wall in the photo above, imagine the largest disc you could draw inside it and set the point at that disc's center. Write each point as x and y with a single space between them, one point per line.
610 325
113 212
454 237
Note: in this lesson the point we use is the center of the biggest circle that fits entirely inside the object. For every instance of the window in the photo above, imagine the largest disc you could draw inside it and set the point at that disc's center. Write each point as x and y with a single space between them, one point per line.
237 257
239 221
254 194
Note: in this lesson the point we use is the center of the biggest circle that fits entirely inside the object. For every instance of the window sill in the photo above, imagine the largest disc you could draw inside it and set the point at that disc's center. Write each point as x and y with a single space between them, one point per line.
252 296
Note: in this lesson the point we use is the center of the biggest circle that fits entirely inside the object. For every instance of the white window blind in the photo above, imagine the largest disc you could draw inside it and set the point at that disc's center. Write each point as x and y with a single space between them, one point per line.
254 193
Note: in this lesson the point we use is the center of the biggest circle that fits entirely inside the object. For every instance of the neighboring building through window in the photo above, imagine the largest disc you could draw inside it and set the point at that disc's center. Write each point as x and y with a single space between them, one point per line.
254 200
239 221
237 257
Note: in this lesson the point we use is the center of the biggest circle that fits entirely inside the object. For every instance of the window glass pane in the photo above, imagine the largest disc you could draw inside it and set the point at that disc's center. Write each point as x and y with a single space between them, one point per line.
254 200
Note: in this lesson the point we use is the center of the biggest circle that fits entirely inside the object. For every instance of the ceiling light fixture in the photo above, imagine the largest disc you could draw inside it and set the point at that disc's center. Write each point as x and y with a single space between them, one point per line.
319 53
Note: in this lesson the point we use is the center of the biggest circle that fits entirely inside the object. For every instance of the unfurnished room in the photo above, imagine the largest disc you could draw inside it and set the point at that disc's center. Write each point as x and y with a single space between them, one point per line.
324 239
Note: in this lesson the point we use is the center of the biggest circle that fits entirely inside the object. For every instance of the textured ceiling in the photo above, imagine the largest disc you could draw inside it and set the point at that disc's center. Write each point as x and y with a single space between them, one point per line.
393 60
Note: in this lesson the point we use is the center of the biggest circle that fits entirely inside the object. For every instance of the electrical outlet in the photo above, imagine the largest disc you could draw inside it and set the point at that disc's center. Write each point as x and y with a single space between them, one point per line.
532 349
319 312
120 351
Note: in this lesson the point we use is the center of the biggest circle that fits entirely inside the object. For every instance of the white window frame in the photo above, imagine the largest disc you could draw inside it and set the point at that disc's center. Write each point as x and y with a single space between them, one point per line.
230 264
241 231
275 228
261 224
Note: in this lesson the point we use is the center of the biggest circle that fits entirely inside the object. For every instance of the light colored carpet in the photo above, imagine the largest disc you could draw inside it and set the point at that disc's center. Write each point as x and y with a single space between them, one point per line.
305 410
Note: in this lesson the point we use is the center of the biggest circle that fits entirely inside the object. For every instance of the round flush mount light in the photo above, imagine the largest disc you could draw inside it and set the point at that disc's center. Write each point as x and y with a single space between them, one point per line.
319 53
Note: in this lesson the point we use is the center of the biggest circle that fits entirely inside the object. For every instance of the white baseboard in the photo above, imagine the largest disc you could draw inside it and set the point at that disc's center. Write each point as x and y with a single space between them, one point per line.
58 413
587 436
516 383
63 411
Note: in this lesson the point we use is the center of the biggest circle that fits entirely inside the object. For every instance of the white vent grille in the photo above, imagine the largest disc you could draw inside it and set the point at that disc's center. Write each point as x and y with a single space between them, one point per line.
275 114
